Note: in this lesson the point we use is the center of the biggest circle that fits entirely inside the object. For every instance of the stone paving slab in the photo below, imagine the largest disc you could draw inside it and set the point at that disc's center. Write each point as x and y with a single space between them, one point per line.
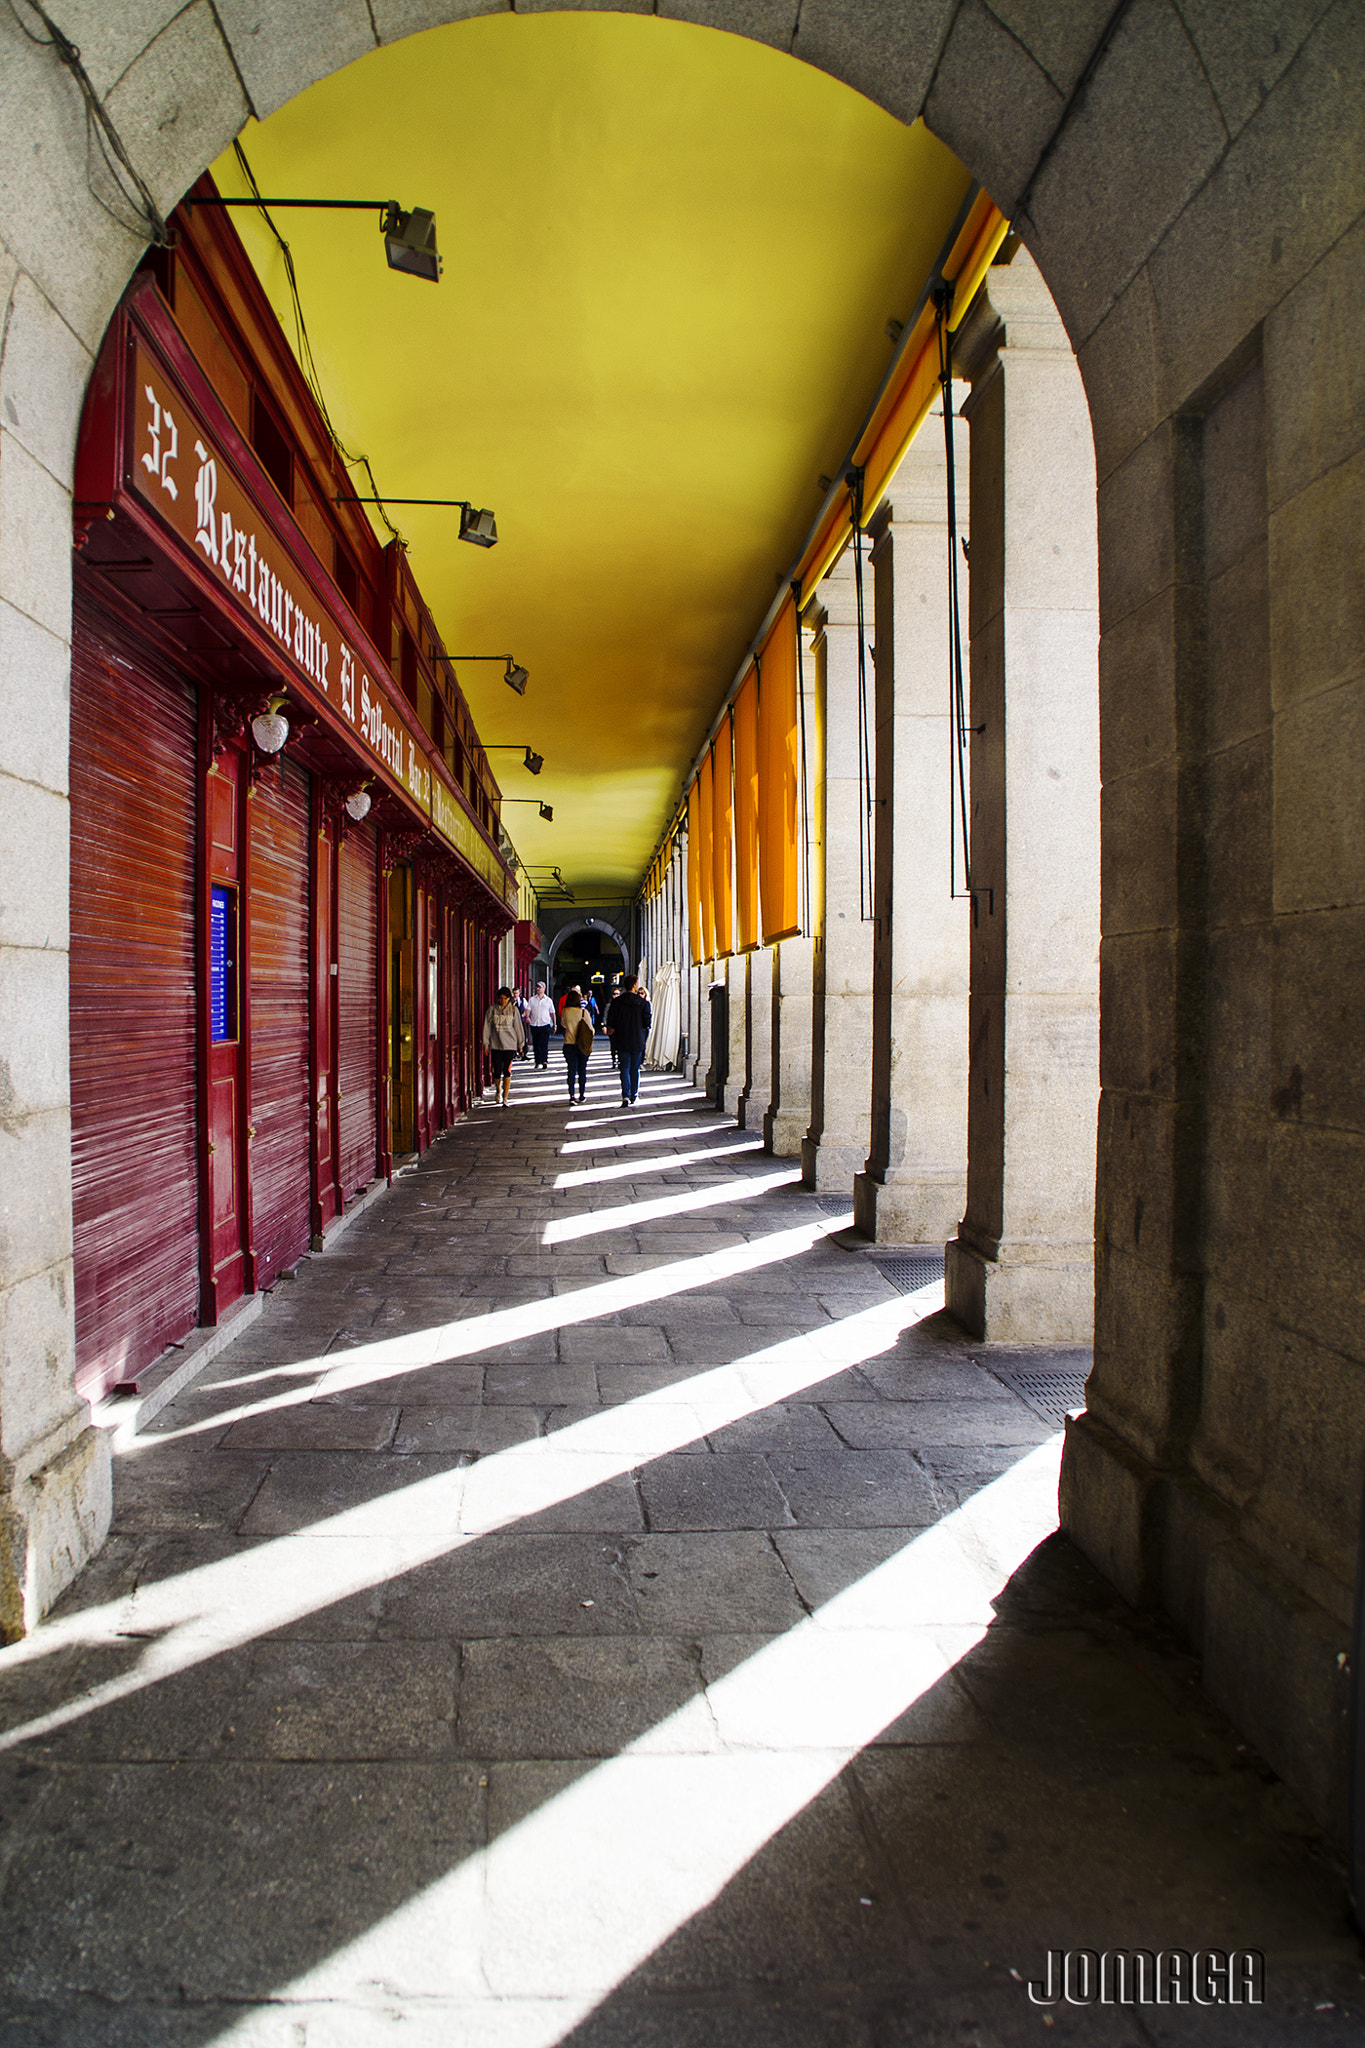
626 1683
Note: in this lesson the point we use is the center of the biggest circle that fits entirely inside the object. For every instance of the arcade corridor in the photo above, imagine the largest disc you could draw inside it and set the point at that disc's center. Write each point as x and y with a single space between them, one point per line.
593 1605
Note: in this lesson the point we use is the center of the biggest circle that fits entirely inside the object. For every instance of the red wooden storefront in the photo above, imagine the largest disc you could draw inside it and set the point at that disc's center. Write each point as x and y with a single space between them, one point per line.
270 999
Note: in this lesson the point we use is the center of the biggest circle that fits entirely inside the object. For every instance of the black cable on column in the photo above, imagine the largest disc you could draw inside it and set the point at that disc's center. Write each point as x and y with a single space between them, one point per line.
866 878
959 734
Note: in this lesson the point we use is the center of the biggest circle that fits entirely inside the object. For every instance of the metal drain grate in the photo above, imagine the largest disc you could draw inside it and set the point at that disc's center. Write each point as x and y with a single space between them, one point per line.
1053 1395
921 1269
835 1205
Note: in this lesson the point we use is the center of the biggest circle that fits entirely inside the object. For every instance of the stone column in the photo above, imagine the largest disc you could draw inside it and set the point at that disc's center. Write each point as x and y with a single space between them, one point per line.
55 1488
912 1189
728 1093
700 979
787 1117
1022 1265
835 1146
758 1087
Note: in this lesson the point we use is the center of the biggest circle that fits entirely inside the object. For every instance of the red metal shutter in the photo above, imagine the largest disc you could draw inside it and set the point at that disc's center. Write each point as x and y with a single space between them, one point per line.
281 1165
134 1161
357 944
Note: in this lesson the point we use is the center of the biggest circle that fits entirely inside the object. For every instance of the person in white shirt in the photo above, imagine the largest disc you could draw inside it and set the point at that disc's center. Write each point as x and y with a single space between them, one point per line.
540 1016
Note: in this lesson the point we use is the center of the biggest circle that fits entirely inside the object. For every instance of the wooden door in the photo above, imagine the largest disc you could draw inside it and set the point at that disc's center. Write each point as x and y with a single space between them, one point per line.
280 992
224 1276
358 969
402 1018
327 1198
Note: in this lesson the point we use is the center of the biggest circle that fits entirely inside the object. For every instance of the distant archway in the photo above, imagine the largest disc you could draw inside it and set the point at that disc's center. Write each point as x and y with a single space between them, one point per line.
589 929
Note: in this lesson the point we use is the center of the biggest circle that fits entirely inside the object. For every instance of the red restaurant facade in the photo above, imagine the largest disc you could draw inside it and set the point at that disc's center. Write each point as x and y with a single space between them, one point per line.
271 998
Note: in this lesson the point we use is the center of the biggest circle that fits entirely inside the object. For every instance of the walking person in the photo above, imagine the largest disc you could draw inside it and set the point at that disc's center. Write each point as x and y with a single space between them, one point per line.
628 1021
540 1015
505 1036
576 1025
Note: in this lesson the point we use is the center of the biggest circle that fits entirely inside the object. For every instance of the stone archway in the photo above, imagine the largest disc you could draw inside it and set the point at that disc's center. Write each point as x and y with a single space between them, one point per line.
1189 192
582 924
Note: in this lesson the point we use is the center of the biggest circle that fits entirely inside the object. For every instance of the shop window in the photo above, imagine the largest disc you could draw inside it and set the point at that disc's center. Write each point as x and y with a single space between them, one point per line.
272 449
223 966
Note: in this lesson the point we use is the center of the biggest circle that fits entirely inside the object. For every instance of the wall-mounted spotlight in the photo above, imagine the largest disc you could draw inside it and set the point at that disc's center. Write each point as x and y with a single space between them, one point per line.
479 527
515 678
270 728
410 242
409 238
533 763
546 810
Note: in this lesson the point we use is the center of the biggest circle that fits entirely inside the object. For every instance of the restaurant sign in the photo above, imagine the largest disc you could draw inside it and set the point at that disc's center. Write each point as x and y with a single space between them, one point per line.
178 470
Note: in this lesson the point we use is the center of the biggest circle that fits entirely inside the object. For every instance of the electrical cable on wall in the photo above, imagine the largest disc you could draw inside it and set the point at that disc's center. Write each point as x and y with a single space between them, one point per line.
304 345
959 731
99 127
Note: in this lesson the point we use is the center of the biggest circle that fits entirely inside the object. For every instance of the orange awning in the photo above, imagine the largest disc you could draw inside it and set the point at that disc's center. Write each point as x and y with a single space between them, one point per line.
723 840
706 881
694 925
746 815
905 406
777 780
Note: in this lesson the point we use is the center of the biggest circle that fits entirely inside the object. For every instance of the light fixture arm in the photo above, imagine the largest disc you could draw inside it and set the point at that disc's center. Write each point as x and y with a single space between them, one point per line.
343 205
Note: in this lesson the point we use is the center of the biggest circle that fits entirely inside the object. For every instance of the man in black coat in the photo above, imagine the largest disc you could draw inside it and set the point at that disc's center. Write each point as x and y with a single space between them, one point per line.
628 1020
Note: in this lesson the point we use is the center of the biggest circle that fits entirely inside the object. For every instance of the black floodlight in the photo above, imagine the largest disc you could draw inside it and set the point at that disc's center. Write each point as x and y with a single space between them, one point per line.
547 813
481 529
409 238
533 762
546 810
515 677
410 242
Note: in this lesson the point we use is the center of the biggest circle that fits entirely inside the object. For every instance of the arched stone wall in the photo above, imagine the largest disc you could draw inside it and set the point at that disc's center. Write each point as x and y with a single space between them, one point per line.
1189 179
581 925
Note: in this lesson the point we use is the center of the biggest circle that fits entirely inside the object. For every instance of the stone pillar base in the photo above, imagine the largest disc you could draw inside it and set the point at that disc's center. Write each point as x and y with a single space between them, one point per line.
1022 1300
784 1131
906 1211
52 1521
750 1114
1274 1658
831 1169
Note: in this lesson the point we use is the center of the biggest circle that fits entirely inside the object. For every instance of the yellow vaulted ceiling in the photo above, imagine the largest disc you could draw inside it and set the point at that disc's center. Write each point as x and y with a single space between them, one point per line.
670 259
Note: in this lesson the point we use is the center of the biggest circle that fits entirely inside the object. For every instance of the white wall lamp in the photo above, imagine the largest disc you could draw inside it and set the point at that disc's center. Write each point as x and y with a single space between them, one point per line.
270 728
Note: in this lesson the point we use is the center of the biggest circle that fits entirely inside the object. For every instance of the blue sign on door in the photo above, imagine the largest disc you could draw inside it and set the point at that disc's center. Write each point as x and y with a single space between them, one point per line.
223 965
